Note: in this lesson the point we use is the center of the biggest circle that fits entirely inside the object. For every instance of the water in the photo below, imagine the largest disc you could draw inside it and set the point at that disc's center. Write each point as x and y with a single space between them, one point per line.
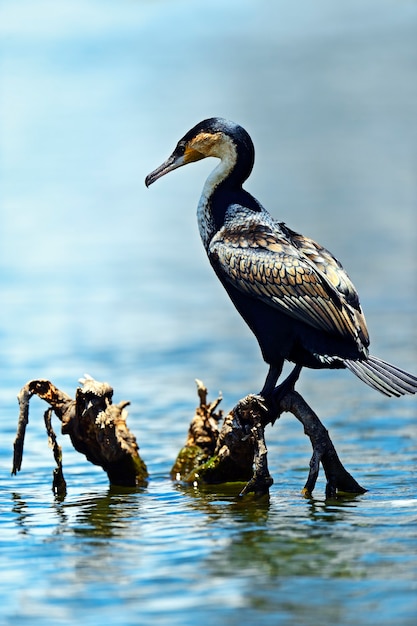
100 275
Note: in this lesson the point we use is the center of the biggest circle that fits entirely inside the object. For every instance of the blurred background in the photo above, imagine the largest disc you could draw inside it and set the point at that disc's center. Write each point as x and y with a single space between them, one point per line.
100 275
95 95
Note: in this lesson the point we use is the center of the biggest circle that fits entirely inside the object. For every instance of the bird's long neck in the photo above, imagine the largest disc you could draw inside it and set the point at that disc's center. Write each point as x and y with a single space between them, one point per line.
224 182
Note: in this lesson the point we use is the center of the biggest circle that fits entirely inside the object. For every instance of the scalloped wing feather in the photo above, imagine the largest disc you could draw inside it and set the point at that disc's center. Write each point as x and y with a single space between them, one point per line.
299 277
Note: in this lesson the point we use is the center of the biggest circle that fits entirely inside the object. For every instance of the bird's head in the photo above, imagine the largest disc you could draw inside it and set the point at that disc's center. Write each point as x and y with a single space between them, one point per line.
214 137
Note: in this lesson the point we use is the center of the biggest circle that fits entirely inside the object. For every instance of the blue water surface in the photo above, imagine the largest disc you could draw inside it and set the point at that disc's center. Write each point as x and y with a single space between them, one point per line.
100 275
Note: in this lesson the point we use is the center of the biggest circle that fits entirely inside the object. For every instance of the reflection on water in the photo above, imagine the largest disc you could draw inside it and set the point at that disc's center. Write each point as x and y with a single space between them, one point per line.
277 557
100 275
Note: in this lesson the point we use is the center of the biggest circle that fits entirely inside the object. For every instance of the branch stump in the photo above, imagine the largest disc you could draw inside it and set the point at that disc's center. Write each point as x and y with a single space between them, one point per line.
97 428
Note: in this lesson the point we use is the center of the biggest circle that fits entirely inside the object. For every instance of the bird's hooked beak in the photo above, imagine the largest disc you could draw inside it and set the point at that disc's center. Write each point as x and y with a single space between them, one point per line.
167 166
177 159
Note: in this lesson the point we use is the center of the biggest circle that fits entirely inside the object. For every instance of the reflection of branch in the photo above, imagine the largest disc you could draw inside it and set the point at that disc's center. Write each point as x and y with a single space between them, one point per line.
237 451
97 428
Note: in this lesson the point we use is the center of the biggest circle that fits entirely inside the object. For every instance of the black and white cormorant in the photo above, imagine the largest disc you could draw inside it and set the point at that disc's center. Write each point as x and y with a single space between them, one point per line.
293 293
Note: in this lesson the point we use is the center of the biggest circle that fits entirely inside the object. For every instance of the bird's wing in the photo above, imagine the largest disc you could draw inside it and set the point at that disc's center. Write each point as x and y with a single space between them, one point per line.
325 263
263 262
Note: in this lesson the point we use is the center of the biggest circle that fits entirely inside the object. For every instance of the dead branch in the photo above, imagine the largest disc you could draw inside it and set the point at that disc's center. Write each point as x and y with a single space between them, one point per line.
212 455
240 452
97 428
324 452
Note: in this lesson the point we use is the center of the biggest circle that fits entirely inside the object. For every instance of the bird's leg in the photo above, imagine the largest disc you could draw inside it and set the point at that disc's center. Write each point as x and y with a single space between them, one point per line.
271 380
287 385
280 392
272 395
252 413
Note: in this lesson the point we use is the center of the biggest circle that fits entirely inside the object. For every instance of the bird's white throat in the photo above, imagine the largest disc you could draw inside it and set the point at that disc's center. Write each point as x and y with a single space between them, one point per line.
226 152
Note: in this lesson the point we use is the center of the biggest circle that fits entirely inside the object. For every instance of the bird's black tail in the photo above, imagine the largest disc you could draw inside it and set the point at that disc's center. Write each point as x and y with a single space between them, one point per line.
382 376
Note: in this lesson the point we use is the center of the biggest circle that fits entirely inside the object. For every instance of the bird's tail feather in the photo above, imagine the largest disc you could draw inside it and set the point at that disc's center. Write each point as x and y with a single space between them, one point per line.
382 376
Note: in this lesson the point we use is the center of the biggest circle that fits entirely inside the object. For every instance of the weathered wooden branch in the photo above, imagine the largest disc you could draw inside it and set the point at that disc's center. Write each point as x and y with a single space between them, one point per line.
237 450
211 454
97 428
233 452
214 455
324 452
59 485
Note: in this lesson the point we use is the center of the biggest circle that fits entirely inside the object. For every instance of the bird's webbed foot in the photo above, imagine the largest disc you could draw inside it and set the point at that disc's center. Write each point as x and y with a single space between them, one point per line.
251 412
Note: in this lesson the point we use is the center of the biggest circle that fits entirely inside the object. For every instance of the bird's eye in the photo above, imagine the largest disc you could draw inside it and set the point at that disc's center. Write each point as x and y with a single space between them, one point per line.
180 149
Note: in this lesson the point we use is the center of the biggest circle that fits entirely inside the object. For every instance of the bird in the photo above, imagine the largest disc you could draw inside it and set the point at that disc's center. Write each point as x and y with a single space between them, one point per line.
294 295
